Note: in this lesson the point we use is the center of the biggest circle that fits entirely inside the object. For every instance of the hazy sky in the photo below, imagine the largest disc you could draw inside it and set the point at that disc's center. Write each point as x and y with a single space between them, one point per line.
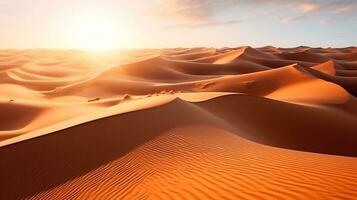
105 24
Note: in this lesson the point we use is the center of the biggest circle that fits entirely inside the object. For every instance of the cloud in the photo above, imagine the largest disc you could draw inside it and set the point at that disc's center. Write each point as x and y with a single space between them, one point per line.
309 7
192 10
207 11
206 24
342 9
332 6
303 10
324 21
203 13
196 13
316 10
288 19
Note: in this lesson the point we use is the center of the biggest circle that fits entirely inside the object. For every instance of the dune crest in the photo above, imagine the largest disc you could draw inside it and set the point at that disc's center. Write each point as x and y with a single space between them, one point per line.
198 123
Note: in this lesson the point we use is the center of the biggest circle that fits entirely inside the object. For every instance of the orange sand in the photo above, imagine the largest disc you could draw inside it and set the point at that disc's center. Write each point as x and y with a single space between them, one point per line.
201 123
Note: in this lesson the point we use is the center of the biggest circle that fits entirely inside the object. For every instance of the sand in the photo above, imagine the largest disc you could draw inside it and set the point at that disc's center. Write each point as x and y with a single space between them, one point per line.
199 123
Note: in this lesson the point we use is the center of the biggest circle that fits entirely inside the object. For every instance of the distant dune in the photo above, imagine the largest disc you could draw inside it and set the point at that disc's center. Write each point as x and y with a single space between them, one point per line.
199 123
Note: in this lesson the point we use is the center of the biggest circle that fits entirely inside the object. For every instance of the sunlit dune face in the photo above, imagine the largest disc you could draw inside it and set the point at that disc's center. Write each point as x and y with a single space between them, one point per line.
95 32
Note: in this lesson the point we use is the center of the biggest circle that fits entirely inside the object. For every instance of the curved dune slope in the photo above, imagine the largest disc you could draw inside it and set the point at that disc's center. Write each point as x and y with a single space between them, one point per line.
199 123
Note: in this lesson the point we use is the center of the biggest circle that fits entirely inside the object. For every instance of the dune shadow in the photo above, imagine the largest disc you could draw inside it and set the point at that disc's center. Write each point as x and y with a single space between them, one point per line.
288 125
39 164
32 166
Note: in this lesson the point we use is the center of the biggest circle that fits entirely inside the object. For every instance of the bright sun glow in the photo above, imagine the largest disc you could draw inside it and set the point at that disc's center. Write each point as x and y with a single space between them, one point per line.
95 32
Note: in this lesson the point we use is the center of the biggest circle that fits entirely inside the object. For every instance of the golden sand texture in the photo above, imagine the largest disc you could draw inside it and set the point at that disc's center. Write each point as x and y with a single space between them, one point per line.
199 123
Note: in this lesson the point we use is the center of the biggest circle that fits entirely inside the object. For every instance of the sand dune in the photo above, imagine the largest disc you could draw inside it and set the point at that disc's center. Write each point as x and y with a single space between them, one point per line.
199 123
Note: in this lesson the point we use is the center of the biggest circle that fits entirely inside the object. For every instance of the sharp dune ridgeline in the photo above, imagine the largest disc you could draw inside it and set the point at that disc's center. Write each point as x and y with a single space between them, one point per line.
198 123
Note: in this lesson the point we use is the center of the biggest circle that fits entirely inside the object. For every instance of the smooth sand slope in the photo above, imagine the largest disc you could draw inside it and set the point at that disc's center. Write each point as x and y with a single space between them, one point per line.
201 123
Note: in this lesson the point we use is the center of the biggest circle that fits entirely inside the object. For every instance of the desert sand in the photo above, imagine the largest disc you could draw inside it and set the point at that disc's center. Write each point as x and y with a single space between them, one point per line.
199 123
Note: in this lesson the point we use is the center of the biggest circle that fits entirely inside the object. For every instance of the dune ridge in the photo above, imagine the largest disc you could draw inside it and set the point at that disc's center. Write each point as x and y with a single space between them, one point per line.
199 123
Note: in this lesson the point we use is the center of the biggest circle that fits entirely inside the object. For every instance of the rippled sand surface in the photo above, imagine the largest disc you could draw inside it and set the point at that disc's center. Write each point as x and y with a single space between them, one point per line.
200 123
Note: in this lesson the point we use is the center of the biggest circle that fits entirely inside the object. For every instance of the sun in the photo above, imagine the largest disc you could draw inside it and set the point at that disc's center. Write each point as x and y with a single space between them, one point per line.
95 32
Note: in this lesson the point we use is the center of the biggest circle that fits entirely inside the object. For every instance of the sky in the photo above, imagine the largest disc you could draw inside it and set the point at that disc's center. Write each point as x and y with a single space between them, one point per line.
114 24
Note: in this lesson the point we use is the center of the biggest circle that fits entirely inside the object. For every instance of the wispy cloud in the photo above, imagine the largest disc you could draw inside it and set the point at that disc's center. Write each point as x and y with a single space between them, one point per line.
203 13
309 7
330 6
288 19
192 10
342 9
316 10
206 24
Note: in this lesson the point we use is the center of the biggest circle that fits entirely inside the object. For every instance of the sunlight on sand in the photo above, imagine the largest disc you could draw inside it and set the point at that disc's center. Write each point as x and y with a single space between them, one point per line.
199 123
